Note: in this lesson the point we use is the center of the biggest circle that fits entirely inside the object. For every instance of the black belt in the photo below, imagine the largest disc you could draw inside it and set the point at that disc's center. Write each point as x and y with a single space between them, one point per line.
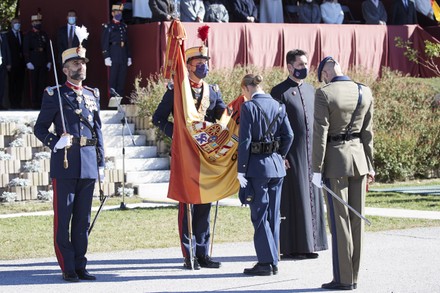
122 44
84 141
265 147
343 137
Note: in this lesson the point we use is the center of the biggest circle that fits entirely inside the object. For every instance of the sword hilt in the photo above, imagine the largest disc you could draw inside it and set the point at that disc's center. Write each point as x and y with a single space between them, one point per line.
66 162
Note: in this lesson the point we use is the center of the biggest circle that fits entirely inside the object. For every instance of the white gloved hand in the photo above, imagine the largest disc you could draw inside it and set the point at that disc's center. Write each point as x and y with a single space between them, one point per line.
108 61
101 174
129 62
243 181
1 60
49 66
30 66
317 179
64 141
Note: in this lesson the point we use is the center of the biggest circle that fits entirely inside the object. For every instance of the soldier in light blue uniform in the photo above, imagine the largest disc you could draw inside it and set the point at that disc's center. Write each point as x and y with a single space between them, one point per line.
116 50
265 138
82 145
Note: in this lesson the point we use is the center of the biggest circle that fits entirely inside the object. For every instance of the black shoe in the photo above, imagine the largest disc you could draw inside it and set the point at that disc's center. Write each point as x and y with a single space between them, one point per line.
259 270
85 275
274 269
70 277
338 286
207 262
312 255
187 264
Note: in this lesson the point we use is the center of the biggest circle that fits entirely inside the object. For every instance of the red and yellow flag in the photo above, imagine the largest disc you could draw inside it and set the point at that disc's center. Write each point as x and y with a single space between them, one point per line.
436 10
203 154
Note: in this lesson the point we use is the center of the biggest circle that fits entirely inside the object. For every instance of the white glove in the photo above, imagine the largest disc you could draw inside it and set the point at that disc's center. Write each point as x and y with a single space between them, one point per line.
129 62
49 66
317 179
30 66
101 174
108 61
243 181
64 141
1 60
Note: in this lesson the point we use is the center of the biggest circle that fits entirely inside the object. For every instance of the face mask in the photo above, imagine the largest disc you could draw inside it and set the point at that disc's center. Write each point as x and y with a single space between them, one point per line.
309 1
118 16
16 26
71 20
201 70
300 73
37 26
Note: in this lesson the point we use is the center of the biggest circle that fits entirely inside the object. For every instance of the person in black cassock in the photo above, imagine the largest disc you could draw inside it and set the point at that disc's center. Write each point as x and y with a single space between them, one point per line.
302 204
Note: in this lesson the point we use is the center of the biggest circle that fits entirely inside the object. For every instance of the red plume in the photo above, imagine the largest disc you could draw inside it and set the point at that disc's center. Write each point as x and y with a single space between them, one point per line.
203 33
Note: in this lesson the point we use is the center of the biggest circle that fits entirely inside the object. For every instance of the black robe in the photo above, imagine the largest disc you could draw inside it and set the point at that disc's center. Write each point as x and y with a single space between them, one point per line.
302 203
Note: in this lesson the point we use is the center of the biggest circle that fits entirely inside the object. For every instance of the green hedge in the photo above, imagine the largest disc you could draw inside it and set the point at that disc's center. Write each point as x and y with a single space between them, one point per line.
406 123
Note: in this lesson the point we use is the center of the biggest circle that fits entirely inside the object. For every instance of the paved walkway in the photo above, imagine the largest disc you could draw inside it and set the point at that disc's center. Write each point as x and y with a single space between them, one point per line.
393 261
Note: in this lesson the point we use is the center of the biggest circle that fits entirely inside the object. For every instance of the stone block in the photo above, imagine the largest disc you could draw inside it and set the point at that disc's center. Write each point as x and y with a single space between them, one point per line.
20 153
24 192
10 166
7 128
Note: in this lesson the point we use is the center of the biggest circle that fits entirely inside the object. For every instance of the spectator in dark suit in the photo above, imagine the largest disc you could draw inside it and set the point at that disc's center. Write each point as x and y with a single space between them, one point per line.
5 65
162 10
66 34
404 12
16 73
244 11
374 12
67 39
309 12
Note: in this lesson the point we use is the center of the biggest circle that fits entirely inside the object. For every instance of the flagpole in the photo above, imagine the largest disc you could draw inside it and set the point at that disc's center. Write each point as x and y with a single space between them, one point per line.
213 228
190 234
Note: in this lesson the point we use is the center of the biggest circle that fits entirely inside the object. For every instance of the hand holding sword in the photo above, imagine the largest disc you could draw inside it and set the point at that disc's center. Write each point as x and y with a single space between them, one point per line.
318 182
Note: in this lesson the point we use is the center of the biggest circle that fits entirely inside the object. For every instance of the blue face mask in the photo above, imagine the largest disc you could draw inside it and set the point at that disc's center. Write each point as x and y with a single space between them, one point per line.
71 20
118 16
201 70
300 73
16 26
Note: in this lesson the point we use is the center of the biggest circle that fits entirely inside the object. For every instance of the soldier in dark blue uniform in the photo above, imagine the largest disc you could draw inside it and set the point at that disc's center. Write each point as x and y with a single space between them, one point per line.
265 138
117 56
73 184
36 52
209 103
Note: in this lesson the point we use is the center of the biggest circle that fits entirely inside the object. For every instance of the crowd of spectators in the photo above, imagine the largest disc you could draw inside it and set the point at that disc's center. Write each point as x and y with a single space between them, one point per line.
15 59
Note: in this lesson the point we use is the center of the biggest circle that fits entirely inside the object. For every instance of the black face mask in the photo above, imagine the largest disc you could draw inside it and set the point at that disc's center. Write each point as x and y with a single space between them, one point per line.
201 70
37 26
300 73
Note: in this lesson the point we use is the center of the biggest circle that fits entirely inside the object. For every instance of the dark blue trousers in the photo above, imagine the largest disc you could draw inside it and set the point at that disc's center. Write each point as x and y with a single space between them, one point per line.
72 202
200 228
118 72
265 216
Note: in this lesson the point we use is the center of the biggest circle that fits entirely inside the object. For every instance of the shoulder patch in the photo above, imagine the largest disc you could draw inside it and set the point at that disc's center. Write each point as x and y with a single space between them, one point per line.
95 91
50 89
170 85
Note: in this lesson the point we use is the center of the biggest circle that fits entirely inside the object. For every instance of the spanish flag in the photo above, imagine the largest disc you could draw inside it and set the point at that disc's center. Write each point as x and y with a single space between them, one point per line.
436 10
203 154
